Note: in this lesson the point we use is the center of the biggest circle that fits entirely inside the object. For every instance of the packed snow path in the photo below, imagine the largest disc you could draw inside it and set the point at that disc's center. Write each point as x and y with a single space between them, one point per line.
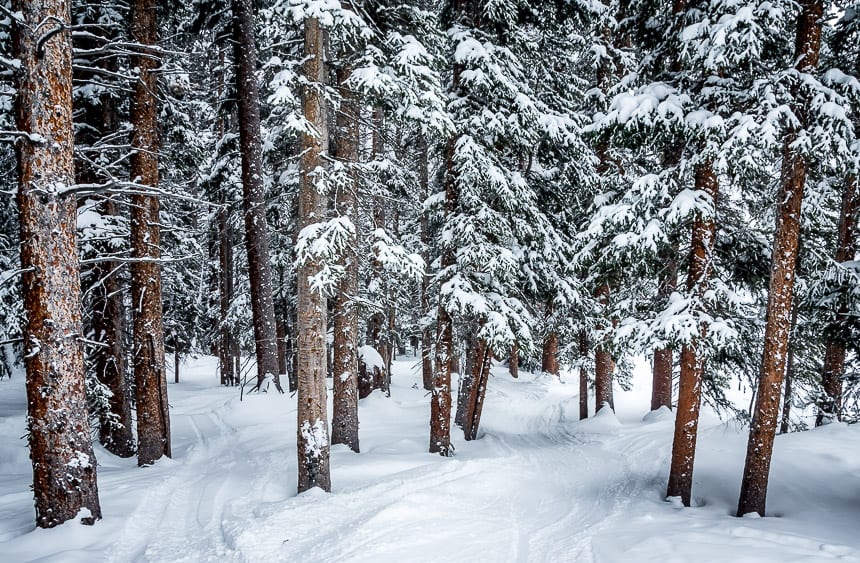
539 485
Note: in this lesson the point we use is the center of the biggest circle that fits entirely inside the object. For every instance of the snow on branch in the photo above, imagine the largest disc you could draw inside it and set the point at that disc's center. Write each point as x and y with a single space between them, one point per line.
325 243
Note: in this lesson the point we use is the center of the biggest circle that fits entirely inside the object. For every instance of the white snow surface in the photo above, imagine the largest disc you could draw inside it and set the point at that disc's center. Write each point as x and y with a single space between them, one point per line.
538 485
371 358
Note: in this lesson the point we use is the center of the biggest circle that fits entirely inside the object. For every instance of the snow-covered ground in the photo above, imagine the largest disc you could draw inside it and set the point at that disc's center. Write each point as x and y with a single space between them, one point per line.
539 485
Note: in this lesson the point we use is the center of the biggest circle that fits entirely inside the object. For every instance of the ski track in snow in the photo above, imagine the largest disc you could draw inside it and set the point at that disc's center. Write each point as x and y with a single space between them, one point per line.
181 519
206 511
538 485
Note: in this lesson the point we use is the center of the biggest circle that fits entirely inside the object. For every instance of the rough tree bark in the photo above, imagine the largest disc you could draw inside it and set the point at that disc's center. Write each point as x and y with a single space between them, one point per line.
464 379
426 333
229 375
785 417
312 429
549 363
440 402
254 194
690 388
583 375
223 246
482 358
753 497
830 405
64 467
661 388
345 363
109 361
603 364
153 421
98 118
514 361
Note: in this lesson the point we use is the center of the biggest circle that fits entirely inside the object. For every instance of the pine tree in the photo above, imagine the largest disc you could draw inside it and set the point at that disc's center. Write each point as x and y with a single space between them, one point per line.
692 363
345 309
64 466
153 419
838 330
313 435
254 198
98 103
785 247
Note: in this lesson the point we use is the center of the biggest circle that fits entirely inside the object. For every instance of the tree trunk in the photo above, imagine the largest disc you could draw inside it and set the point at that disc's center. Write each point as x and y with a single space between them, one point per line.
550 354
254 194
830 406
229 376
175 362
690 388
661 388
789 376
312 430
583 375
64 467
153 421
466 379
480 373
115 431
753 495
115 435
426 334
514 361
224 244
99 119
440 402
603 365
345 406
283 338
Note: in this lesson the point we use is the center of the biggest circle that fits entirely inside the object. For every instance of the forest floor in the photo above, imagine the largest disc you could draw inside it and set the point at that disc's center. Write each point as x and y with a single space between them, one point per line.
538 485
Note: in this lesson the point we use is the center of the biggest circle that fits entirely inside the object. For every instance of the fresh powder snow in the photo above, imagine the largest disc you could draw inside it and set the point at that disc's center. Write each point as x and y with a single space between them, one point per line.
538 485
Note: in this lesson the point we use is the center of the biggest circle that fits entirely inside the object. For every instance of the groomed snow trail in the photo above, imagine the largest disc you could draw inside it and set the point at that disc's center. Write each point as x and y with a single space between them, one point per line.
537 485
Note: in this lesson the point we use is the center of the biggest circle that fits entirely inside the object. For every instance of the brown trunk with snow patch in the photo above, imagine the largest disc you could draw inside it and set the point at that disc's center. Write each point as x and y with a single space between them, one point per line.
312 429
440 402
703 235
64 467
753 497
661 388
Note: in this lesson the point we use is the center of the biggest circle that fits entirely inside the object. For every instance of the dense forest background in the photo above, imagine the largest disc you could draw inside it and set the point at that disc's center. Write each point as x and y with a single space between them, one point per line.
310 189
